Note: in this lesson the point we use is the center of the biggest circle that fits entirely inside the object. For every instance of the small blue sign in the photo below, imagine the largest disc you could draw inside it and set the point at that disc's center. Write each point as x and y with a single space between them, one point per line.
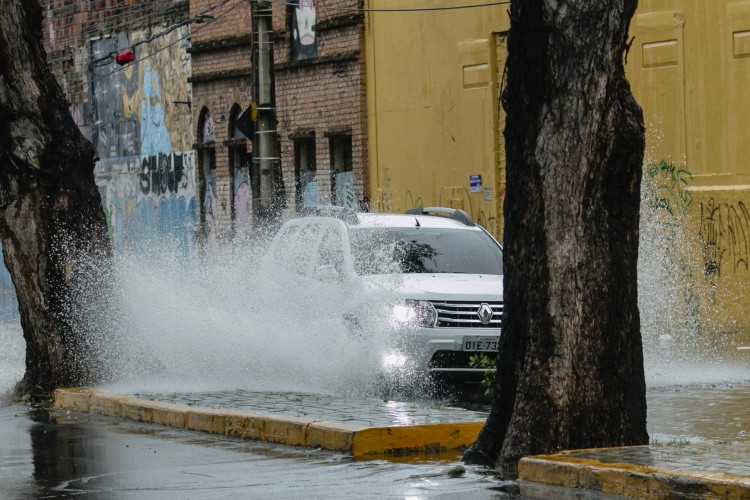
475 182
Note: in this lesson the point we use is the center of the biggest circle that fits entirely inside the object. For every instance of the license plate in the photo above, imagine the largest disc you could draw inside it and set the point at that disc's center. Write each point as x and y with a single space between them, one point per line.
480 343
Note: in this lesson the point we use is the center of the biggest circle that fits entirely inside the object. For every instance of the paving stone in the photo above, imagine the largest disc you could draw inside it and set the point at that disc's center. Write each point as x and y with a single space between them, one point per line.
369 412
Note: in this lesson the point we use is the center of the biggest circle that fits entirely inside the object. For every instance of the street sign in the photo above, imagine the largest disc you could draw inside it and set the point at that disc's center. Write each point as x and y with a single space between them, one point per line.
475 183
244 122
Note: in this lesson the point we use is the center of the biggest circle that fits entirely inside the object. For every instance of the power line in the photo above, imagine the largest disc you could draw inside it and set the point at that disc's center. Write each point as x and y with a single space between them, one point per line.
94 79
200 17
117 70
137 13
397 9
222 14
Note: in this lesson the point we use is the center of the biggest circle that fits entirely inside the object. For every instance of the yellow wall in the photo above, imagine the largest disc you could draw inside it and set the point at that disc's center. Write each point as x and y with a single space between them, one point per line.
432 107
433 80
689 68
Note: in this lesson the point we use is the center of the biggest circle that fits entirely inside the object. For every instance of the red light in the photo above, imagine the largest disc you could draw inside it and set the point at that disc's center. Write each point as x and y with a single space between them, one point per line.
125 57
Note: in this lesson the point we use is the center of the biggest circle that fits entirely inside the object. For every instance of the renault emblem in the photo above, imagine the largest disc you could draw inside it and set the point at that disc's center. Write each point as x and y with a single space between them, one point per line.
485 313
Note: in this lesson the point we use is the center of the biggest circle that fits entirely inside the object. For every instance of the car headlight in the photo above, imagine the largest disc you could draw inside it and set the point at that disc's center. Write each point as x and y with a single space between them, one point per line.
394 360
417 313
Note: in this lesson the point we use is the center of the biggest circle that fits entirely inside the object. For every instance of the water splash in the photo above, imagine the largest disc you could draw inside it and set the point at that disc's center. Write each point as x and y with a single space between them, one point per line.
12 356
183 323
175 322
681 345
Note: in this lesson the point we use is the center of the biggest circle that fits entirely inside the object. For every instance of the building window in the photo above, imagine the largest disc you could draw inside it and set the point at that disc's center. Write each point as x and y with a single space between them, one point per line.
208 135
306 173
239 169
303 40
342 177
208 193
207 176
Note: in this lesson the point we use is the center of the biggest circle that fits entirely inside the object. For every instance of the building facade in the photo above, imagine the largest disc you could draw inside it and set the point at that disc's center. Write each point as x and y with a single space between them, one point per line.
136 115
221 48
689 68
386 109
434 79
321 103
434 82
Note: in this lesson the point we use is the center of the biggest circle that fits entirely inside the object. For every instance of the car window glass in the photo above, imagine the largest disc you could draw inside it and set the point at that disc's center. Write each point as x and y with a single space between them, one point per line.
424 250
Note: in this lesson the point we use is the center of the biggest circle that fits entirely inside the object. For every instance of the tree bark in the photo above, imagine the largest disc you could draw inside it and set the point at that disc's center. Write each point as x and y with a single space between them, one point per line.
52 225
570 367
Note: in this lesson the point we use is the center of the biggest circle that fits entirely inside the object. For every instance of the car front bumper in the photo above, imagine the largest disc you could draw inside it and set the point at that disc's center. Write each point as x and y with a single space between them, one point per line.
446 351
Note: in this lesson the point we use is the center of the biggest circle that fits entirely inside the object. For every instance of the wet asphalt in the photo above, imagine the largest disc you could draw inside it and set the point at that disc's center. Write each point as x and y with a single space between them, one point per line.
51 455
57 454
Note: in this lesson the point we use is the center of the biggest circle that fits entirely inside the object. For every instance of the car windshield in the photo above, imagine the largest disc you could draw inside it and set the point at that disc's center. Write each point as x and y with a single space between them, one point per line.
424 250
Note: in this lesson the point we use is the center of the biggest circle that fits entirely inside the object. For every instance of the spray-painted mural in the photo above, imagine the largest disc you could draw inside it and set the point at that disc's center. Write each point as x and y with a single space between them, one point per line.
140 124
304 44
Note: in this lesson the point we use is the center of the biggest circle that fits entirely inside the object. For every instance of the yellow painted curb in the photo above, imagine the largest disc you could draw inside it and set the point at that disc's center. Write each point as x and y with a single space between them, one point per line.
630 480
406 440
357 440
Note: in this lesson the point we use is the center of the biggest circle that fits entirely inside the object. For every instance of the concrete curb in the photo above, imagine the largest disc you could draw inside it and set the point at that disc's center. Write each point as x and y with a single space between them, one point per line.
295 431
567 471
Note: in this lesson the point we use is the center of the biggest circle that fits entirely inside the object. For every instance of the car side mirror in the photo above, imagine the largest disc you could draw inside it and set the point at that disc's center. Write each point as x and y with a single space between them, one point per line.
327 273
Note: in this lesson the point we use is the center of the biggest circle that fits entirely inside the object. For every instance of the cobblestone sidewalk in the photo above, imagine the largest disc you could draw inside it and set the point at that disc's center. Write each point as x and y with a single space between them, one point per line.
691 471
365 412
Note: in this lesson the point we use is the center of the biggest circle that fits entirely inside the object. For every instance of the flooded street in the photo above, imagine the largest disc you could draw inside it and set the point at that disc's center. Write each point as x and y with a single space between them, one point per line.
54 455
215 343
85 456
714 412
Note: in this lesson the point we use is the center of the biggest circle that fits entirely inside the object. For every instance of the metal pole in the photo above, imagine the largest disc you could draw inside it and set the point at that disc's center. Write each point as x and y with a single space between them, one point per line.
265 156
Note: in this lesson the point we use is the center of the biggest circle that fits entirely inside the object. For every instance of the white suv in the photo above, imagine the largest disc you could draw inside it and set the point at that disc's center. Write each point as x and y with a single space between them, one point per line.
444 273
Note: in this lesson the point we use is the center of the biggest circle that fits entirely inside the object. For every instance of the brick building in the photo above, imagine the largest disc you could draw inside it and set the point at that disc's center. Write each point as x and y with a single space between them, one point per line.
321 102
137 116
194 176
221 51
320 108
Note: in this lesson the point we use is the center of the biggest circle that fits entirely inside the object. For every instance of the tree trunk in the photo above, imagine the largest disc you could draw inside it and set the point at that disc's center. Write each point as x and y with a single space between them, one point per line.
570 366
52 225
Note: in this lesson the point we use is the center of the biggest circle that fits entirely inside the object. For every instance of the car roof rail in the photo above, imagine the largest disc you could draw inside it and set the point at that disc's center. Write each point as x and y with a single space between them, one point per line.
346 214
453 213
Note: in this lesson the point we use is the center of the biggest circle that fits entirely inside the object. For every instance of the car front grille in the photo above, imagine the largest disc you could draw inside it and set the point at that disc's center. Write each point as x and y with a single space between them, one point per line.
465 314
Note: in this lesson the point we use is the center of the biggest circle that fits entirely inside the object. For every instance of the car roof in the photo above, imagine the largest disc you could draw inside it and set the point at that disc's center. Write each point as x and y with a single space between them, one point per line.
401 220
412 218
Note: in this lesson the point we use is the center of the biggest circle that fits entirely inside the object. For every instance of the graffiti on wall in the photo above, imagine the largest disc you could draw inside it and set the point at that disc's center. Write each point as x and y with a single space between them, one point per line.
210 208
304 45
668 187
148 199
242 190
141 109
163 173
142 132
343 190
154 135
489 222
725 237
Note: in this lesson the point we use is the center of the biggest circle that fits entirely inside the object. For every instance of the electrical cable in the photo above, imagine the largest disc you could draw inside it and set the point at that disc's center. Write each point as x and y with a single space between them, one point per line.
140 12
396 9
110 56
201 16
95 79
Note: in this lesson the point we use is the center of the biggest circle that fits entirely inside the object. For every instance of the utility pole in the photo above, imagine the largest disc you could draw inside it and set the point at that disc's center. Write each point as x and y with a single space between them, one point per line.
265 152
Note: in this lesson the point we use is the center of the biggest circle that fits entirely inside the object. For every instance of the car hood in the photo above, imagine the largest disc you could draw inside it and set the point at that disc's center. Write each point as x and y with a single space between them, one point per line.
462 287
